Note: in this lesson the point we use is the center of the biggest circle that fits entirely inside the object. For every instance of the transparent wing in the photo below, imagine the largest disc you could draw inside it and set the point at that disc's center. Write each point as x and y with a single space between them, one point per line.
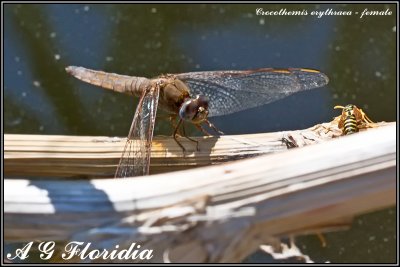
135 159
232 91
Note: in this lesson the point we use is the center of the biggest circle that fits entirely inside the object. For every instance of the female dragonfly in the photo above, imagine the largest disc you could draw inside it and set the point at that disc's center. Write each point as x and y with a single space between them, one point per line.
193 97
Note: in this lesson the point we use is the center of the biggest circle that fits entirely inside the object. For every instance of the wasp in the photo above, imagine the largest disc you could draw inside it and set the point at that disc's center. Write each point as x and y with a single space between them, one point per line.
353 119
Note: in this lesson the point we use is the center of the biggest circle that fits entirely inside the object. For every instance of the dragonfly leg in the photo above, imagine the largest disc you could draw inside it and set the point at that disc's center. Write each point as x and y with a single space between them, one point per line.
212 126
321 239
176 134
191 139
198 126
172 120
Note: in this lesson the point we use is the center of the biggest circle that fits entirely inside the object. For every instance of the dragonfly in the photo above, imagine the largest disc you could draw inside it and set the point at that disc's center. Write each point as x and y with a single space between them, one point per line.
193 97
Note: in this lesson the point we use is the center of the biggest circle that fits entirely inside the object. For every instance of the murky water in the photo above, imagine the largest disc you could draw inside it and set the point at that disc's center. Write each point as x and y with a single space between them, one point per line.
358 55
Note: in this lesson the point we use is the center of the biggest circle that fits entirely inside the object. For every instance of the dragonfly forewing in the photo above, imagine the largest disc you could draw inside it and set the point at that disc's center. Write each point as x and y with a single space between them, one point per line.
232 91
135 160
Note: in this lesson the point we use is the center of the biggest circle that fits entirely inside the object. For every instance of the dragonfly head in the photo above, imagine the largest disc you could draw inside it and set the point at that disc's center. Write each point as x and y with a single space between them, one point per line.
194 110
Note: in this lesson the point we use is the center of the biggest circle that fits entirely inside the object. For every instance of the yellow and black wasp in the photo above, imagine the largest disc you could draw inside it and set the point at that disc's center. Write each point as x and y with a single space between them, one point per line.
353 119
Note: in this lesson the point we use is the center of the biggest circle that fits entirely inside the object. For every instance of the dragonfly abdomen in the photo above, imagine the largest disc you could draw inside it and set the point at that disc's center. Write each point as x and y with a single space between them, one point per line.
116 82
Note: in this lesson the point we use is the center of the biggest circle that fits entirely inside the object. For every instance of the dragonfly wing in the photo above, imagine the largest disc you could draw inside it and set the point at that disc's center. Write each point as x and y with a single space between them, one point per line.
232 91
135 159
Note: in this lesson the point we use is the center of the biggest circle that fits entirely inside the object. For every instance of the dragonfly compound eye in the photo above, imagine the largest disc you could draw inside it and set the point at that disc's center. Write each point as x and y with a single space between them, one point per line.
202 100
194 110
188 110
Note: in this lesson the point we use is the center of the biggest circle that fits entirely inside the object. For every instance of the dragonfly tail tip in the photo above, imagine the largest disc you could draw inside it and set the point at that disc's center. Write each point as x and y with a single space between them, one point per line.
70 69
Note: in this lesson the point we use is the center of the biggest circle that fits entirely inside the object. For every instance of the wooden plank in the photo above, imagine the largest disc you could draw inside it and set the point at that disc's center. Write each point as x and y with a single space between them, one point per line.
88 156
218 213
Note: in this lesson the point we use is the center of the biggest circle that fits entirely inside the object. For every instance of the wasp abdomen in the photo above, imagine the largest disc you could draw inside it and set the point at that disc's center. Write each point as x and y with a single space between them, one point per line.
350 125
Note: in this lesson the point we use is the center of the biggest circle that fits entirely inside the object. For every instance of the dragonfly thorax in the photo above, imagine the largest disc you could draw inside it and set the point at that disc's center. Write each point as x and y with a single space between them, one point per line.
172 94
194 110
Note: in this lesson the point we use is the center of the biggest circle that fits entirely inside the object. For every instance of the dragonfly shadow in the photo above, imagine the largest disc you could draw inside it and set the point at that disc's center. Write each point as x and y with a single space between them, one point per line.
168 156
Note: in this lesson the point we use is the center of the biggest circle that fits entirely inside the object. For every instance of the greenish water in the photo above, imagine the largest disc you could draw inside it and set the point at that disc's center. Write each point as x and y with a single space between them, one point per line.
358 55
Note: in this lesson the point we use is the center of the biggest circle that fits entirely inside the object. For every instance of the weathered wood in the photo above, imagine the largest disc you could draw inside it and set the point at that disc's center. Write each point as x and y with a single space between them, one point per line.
217 213
78 156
